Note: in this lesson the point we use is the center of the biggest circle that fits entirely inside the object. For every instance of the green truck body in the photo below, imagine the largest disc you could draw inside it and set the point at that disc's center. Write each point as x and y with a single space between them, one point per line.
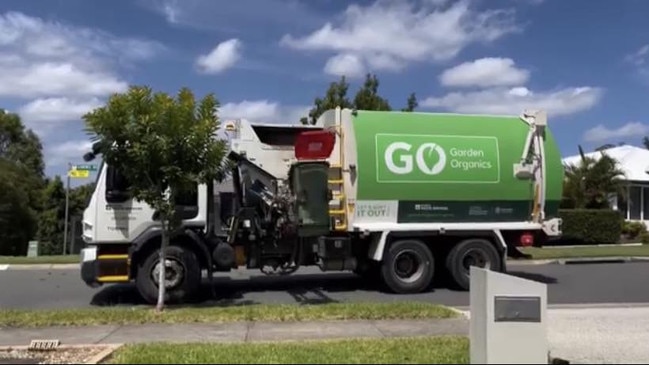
429 167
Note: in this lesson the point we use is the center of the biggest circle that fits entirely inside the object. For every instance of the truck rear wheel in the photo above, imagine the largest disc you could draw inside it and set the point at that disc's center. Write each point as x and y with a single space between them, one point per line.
408 267
471 252
183 275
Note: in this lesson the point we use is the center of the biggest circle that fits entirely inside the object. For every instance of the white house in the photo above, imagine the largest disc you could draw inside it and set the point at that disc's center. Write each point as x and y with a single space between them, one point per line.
634 161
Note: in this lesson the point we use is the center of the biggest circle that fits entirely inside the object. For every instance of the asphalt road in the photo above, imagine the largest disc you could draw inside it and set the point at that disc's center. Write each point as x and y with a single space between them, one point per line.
567 284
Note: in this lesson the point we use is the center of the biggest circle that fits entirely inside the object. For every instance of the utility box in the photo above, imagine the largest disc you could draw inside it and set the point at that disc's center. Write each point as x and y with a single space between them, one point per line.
508 319
32 250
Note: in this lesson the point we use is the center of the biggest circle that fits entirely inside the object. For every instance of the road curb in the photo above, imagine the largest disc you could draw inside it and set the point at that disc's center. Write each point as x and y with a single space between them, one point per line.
38 267
602 260
579 260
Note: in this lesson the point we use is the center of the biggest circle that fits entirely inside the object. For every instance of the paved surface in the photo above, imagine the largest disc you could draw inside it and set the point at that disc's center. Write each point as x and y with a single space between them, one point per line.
236 332
612 335
567 284
582 336
600 335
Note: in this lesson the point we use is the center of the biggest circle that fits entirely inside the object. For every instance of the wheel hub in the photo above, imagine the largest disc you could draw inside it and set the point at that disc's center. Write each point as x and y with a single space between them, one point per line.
408 266
476 258
174 273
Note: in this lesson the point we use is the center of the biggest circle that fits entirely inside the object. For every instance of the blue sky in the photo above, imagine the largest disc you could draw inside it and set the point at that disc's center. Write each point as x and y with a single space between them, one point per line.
584 61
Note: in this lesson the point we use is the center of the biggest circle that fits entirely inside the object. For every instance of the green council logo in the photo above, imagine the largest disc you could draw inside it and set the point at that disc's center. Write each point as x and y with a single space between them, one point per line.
437 159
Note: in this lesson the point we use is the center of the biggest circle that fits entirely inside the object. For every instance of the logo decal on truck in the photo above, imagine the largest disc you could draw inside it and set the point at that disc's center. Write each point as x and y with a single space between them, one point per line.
422 158
437 158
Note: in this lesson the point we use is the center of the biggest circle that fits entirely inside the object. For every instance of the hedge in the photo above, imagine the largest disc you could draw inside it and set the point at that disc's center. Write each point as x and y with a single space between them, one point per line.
591 226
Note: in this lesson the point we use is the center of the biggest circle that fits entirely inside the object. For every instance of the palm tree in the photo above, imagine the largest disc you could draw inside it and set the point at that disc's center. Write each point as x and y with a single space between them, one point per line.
590 183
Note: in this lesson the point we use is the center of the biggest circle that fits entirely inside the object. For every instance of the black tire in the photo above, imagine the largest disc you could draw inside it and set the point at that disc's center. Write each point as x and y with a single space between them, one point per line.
405 279
186 288
471 252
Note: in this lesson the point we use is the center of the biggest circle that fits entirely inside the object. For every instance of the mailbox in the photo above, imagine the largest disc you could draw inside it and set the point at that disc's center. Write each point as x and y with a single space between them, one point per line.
508 319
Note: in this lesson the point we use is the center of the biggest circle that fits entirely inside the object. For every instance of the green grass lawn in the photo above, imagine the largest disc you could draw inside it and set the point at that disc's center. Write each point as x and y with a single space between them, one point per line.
418 350
22 260
588 251
257 312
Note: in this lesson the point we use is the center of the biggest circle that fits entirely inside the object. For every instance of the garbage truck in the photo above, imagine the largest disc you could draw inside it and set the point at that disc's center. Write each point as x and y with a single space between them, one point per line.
401 198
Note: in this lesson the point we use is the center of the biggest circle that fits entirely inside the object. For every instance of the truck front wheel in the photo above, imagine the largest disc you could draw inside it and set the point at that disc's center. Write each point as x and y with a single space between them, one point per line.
471 252
408 267
182 275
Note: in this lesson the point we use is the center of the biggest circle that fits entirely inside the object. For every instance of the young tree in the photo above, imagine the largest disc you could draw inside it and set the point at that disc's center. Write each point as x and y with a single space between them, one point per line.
411 103
368 98
164 146
335 96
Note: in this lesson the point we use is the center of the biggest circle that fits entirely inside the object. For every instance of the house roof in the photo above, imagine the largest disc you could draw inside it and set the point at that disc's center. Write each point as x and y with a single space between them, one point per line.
634 161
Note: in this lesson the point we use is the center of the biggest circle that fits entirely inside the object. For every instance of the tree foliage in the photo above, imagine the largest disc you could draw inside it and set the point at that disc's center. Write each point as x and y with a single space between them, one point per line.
411 103
163 146
366 98
21 181
17 220
51 221
590 183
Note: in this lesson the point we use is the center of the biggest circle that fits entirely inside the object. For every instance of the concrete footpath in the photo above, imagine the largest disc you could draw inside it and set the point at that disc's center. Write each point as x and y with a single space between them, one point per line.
235 332
613 335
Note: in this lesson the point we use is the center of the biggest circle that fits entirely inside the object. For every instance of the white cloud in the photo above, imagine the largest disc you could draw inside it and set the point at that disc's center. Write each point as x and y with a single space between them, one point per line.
221 58
485 72
515 100
68 151
58 72
602 133
170 10
402 32
349 65
232 16
57 109
26 78
263 111
639 57
502 91
47 58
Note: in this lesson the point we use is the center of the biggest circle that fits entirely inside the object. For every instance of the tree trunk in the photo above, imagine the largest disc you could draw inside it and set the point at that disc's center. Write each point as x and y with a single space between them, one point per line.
162 272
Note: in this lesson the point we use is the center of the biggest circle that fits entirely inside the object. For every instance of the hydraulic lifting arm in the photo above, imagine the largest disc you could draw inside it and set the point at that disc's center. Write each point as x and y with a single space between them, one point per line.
532 165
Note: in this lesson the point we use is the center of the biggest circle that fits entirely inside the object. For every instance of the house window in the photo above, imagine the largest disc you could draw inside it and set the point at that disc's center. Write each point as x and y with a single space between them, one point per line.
645 203
635 203
623 204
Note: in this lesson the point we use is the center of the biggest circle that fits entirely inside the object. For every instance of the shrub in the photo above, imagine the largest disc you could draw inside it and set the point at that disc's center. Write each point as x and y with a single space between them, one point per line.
591 226
633 230
644 238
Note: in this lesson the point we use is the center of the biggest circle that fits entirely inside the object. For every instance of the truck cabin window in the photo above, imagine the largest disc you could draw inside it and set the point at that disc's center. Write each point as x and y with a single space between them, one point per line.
116 186
187 203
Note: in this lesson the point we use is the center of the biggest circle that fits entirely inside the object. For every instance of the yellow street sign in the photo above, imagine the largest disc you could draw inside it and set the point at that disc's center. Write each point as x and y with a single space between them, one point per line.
79 174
